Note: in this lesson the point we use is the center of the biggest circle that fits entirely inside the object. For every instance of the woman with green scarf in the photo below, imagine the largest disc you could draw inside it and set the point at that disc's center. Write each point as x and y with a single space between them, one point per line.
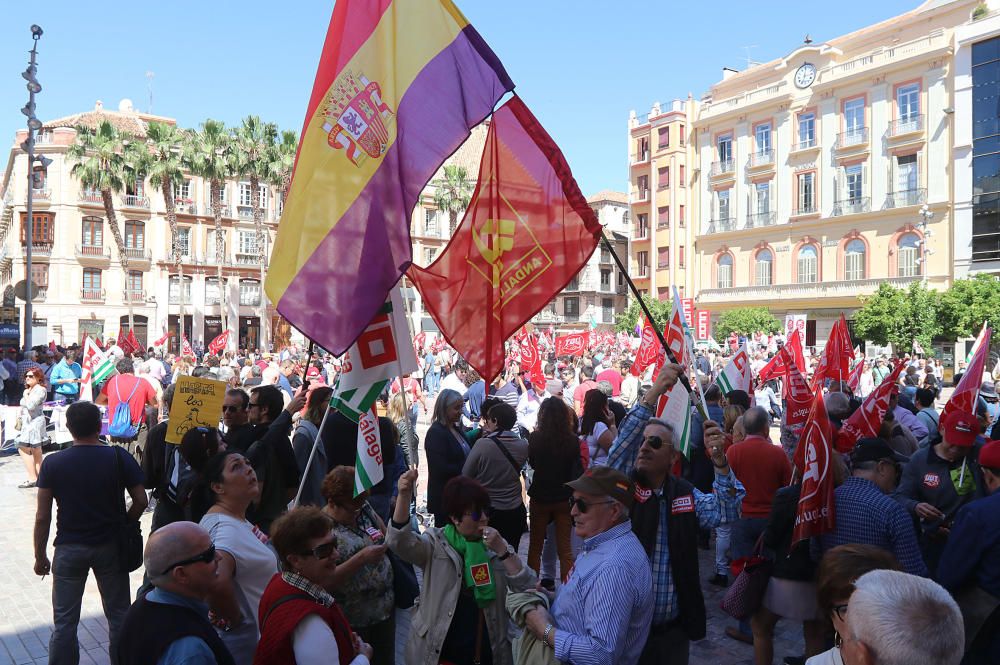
468 570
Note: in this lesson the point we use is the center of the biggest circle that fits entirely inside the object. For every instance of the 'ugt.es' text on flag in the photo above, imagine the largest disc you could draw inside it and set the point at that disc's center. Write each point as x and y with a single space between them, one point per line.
814 457
527 232
966 393
736 375
674 408
373 359
798 396
573 344
866 421
399 86
368 469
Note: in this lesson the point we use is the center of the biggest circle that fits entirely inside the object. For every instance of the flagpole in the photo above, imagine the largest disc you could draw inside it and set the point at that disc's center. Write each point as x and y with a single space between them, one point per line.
312 454
399 361
659 334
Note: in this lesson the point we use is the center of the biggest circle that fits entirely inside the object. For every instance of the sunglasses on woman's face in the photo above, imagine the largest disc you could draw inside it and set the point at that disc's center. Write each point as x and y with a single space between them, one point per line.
582 505
322 551
478 515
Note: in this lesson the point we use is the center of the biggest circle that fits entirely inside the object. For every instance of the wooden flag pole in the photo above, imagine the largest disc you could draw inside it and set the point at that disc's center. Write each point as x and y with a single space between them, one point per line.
659 334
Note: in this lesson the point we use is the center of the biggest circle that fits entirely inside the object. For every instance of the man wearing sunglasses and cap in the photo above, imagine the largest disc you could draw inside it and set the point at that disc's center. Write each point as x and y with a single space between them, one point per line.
941 479
602 614
666 516
170 624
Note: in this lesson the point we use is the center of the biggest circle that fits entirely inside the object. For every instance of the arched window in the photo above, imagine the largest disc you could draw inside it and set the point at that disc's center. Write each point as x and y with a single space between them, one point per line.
854 260
808 265
762 265
724 276
908 255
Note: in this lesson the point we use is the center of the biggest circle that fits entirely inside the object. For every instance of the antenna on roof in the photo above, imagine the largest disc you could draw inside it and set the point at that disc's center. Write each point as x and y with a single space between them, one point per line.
149 87
750 62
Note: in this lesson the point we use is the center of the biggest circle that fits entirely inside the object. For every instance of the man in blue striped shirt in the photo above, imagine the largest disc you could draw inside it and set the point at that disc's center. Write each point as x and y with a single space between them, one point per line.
667 516
601 615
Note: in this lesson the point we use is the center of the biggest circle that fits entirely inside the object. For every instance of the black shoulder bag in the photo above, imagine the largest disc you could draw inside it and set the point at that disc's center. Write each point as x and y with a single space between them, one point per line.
129 533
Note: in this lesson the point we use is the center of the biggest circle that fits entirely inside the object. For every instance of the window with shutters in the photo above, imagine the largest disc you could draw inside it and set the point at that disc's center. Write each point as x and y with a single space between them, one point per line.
605 280
680 215
184 240
42 228
724 272
134 280
807 265
807 130
908 255
681 182
40 274
763 265
663 217
135 235
663 175
854 260
571 308
249 292
662 258
92 232
175 290
91 279
663 136
855 186
680 256
806 193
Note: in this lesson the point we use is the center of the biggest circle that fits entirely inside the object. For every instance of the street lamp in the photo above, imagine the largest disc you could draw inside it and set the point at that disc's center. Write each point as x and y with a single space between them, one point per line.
925 219
28 146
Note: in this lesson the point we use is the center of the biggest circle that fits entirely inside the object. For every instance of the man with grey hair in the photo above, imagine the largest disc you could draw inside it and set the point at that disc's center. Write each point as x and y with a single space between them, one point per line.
895 618
838 406
169 625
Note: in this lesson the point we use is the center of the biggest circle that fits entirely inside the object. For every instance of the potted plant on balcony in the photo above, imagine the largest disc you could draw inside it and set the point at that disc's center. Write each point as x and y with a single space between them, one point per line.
981 10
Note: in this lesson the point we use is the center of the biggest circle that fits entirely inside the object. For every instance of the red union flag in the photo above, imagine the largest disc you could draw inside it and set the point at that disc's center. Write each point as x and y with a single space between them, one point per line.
218 344
777 366
186 349
866 421
133 343
814 457
854 380
531 360
687 304
572 345
649 351
798 396
676 325
527 232
163 340
704 326
966 393
836 360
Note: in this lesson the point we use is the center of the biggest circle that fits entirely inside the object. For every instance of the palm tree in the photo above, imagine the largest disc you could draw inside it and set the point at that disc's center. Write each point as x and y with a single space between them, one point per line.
283 162
210 157
254 144
163 163
106 161
453 193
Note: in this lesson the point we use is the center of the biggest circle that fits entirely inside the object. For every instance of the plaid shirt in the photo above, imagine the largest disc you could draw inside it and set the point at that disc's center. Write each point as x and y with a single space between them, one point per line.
720 507
24 366
302 584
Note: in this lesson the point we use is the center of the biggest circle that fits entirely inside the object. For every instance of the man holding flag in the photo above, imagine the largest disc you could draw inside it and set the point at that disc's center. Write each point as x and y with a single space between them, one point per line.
667 514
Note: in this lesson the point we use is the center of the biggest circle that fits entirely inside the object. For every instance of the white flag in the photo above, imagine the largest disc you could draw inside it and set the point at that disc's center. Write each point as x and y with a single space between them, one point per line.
382 351
368 470
674 408
97 367
736 375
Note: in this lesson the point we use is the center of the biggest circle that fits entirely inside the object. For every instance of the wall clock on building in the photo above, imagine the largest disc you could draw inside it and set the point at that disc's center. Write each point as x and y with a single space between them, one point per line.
805 75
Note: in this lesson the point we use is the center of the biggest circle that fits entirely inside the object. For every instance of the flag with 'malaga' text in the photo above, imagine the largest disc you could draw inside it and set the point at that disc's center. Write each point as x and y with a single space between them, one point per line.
368 469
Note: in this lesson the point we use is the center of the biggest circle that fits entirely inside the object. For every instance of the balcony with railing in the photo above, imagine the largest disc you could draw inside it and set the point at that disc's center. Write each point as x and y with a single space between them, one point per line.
761 160
206 210
90 196
641 157
641 232
246 212
605 256
805 144
93 254
851 206
134 296
39 249
720 169
804 291
43 292
135 201
41 194
92 295
185 207
852 139
906 197
721 225
806 208
244 259
906 126
758 219
138 255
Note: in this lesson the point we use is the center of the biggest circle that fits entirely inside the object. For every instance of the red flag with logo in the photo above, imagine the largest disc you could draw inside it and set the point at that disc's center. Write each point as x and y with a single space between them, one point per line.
674 334
966 393
776 367
531 360
794 346
836 360
163 340
798 396
186 349
866 421
814 457
527 233
133 343
854 380
218 344
418 342
122 341
573 344
649 351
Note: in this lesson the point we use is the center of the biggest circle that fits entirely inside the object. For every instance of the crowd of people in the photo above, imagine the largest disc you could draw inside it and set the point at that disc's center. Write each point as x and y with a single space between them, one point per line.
559 522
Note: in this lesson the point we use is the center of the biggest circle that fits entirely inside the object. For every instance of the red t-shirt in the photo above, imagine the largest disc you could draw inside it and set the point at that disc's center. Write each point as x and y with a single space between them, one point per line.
122 384
614 377
763 468
412 390
581 392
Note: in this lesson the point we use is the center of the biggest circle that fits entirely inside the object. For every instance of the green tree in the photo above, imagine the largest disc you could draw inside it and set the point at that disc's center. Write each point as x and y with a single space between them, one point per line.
453 193
209 155
745 321
162 162
283 161
898 316
106 162
967 304
627 320
254 147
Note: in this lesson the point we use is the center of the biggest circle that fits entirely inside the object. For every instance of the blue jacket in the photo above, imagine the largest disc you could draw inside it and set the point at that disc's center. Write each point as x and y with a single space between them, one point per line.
973 550
63 370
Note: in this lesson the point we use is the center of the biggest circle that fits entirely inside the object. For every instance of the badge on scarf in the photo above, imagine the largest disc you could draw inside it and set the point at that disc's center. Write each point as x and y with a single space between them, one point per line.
642 494
374 534
481 574
682 504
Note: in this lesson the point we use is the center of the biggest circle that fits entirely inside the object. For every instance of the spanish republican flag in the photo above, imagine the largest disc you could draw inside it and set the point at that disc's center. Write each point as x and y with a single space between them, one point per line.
527 232
399 86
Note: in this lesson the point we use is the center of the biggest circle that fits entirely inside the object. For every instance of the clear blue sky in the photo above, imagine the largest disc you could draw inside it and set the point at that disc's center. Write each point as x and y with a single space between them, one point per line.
581 66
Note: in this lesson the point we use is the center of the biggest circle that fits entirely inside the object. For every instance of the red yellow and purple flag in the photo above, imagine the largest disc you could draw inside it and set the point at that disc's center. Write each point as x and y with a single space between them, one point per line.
399 86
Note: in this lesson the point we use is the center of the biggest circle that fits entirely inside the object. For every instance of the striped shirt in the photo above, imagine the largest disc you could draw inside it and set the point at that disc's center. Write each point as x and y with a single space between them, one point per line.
722 506
602 614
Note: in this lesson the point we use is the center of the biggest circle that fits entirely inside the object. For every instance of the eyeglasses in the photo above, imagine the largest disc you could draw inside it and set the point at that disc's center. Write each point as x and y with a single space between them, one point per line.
840 611
582 505
231 408
208 556
252 405
322 551
477 515
654 442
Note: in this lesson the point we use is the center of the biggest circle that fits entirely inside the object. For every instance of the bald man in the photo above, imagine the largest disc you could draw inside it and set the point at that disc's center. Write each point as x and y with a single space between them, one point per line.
169 626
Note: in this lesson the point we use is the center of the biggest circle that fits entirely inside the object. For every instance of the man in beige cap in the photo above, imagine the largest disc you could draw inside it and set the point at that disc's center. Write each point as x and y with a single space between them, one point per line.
603 612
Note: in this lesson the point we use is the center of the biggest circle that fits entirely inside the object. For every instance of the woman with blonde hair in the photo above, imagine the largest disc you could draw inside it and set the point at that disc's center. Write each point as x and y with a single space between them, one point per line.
303 440
408 440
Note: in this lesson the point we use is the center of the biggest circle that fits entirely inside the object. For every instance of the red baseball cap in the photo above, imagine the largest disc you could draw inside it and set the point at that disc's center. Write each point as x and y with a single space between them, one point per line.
989 455
960 428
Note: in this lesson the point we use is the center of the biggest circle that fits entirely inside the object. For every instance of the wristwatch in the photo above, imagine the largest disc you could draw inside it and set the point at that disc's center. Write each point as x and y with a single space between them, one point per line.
507 554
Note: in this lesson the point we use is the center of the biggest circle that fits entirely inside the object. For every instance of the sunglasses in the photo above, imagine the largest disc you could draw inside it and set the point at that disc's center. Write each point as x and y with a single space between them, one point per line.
322 551
654 442
208 556
582 505
477 515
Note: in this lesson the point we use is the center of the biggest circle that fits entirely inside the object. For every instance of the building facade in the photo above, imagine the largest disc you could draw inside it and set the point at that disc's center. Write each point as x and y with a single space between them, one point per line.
82 287
814 170
662 238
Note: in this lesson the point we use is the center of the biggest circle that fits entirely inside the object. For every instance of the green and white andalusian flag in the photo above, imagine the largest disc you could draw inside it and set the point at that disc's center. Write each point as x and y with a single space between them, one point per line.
368 470
97 367
674 408
354 402
736 375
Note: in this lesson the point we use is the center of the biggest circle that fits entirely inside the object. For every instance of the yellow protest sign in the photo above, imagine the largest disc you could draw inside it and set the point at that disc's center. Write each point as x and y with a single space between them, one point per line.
197 403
